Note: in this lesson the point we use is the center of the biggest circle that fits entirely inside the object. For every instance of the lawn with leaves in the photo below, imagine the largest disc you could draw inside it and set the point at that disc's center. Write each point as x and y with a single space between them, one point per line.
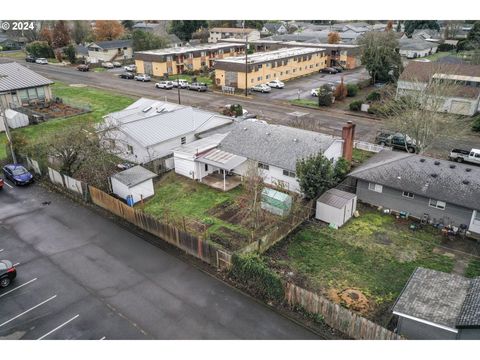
473 268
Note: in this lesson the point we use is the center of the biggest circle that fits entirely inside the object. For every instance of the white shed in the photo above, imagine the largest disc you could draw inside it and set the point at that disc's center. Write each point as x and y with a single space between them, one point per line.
16 119
135 182
336 207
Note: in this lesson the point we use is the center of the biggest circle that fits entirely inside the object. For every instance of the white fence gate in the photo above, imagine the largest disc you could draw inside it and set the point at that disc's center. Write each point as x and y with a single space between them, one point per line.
55 176
73 185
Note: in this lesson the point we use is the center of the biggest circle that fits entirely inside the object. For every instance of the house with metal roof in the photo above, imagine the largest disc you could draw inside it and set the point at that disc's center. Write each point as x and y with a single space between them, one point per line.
438 306
439 191
149 130
114 50
416 48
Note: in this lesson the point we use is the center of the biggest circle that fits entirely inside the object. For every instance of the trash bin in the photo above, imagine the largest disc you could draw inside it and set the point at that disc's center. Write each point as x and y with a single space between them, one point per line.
130 201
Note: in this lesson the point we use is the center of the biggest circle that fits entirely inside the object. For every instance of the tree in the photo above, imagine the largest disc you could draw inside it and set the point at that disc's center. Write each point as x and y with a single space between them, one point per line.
70 53
40 49
108 30
340 92
474 34
46 35
315 175
334 37
128 24
60 35
340 170
255 24
143 40
412 25
389 26
325 95
380 57
185 28
201 34
399 26
80 31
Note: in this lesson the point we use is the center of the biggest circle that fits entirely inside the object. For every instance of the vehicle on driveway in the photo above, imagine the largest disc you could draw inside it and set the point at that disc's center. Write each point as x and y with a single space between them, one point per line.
277 84
108 65
329 70
396 141
263 88
17 174
116 64
127 75
460 155
83 67
130 68
30 58
142 77
197 87
168 85
41 61
181 83
7 273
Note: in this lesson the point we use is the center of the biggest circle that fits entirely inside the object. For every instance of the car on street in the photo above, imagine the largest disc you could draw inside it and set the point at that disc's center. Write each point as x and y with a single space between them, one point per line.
397 141
263 88
83 67
116 64
142 77
277 84
197 86
108 65
7 273
130 68
182 83
127 75
17 174
30 58
338 68
329 70
1 183
168 85
41 61
460 155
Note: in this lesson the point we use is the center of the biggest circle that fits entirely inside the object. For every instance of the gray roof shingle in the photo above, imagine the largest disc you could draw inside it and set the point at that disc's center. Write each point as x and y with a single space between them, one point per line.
113 44
470 313
14 76
134 176
336 198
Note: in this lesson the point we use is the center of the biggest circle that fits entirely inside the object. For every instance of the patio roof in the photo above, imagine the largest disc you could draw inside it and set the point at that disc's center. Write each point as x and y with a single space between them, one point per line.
222 159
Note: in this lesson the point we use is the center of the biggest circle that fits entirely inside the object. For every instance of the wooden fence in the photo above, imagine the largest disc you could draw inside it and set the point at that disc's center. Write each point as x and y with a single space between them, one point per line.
187 242
336 316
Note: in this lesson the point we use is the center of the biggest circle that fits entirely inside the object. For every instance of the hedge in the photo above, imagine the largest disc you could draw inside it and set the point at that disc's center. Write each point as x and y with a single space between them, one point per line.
352 90
250 270
356 105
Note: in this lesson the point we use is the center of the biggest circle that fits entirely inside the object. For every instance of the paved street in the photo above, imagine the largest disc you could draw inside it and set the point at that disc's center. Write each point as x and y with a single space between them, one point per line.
81 276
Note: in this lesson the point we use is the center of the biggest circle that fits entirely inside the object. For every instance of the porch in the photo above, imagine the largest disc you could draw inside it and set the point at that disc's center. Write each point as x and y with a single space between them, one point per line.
222 182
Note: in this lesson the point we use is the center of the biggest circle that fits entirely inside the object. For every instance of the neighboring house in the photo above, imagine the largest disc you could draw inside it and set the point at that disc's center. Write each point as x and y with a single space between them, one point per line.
232 33
174 40
115 50
81 52
274 29
438 306
416 48
11 43
159 28
427 34
149 130
439 191
464 96
134 184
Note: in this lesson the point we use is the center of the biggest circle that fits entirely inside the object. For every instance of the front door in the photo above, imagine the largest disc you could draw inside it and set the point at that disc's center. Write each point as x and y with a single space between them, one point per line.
147 67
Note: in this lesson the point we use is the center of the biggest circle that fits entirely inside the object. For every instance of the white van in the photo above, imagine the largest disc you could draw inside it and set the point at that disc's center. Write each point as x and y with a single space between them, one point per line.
182 83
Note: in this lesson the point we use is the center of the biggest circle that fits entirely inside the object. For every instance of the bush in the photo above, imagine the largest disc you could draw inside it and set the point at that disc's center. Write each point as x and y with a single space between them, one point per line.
250 270
352 90
325 96
374 96
476 124
374 109
356 105
40 49
446 47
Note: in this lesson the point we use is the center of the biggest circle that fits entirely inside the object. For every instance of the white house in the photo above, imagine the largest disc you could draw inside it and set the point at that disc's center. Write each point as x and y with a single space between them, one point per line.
149 130
336 207
232 33
274 29
416 48
115 50
134 184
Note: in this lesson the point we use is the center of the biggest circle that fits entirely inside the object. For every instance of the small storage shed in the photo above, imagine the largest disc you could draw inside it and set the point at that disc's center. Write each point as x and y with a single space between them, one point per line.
133 184
336 207
276 202
16 119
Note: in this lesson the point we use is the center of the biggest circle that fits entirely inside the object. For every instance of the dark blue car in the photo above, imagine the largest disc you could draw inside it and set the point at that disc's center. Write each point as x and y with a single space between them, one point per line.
17 174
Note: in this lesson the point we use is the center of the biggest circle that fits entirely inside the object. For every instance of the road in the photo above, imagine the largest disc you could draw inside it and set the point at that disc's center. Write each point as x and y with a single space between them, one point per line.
81 276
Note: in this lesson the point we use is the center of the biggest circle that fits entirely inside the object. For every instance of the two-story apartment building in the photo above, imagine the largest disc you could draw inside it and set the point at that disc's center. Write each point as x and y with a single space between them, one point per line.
176 60
114 50
218 33
283 64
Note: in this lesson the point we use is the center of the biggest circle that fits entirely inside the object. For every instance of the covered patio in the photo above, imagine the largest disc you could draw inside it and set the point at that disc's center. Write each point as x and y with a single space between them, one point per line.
222 182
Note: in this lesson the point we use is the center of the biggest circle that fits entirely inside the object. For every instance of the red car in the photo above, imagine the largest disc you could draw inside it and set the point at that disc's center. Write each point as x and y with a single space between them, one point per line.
1 183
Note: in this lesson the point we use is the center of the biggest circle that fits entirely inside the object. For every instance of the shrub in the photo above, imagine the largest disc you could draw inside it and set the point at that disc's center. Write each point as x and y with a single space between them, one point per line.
325 96
352 90
476 124
374 96
40 49
250 270
446 47
374 109
356 105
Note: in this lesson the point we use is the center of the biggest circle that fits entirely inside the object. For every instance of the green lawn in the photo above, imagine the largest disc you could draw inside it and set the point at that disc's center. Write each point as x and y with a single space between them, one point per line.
13 54
373 253
305 102
462 54
473 268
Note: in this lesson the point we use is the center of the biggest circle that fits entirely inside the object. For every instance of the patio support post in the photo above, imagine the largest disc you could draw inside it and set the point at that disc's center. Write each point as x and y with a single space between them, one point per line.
224 184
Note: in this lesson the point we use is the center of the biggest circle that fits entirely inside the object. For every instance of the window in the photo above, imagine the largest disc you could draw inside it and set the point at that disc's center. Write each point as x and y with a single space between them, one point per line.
263 166
32 94
281 73
169 69
41 93
294 70
288 71
259 78
408 195
130 149
23 94
206 167
375 187
183 140
437 204
289 173
311 66
267 77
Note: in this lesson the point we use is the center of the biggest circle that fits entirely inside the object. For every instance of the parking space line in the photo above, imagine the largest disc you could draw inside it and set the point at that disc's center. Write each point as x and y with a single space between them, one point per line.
6 183
103 338
58 327
18 287
27 311
16 264
1 250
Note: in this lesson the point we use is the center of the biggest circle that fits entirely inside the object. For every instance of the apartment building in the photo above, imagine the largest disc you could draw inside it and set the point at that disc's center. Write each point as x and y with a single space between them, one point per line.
282 64
232 33
177 60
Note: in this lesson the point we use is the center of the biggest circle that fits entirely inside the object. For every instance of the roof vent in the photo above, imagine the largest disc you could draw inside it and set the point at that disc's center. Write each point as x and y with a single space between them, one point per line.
422 160
147 109
468 169
436 162
466 182
295 140
434 175
267 133
244 129
453 166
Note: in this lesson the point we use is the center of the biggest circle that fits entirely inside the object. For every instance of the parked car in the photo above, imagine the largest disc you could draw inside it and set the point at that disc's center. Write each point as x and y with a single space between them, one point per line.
263 88
182 83
168 85
127 75
142 77
7 273
1 183
83 67
197 86
41 61
470 156
108 65
276 84
116 64
130 68
329 70
314 92
17 174
30 58
338 68
396 141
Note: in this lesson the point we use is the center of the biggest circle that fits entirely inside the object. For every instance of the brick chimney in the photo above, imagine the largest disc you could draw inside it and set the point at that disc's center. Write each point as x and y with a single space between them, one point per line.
348 135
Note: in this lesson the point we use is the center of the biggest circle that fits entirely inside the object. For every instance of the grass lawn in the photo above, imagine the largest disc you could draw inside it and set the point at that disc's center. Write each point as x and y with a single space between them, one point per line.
462 54
306 102
101 102
360 156
375 254
13 54
473 268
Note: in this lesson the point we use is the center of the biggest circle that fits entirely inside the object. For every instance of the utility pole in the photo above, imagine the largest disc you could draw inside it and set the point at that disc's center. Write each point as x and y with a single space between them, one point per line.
178 88
7 131
246 59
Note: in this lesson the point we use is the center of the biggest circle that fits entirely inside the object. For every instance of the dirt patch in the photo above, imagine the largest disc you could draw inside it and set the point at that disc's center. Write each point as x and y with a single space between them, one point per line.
351 299
228 212
229 239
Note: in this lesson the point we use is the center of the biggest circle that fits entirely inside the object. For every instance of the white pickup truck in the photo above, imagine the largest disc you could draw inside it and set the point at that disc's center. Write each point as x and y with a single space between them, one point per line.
472 156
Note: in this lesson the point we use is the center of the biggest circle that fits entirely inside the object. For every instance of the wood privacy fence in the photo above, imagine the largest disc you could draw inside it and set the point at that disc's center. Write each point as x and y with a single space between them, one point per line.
183 240
336 316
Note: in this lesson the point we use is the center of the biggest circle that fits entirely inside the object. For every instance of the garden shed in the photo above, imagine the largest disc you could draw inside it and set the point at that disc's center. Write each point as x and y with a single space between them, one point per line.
276 202
134 184
336 207
16 119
